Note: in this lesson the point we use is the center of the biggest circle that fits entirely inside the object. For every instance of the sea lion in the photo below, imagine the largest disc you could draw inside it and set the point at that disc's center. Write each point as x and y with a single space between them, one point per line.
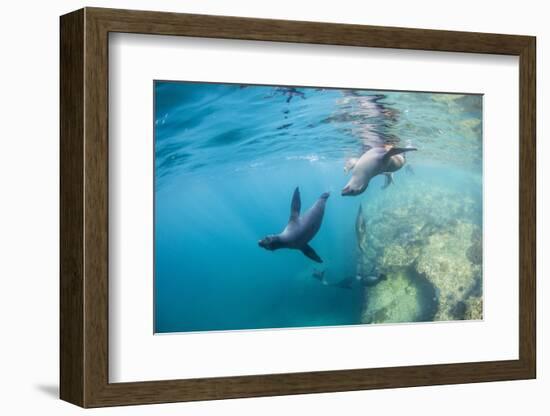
346 283
375 161
290 93
361 230
319 275
300 228
371 279
373 276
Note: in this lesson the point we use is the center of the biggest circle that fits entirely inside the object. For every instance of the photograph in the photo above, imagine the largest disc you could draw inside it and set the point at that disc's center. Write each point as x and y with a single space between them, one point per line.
310 206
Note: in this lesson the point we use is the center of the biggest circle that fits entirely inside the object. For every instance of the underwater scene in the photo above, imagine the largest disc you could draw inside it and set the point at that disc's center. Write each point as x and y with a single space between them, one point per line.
283 206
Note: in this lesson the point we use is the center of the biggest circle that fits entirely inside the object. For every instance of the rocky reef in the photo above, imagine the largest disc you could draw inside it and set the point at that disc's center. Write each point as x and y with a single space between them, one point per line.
403 297
426 240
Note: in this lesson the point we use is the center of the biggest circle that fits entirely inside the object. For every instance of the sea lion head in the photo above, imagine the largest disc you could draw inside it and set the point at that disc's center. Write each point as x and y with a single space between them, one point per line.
270 242
354 188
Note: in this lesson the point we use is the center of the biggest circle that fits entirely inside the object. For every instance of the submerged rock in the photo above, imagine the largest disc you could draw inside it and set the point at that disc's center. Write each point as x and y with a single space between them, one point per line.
393 300
425 239
404 296
445 263
474 308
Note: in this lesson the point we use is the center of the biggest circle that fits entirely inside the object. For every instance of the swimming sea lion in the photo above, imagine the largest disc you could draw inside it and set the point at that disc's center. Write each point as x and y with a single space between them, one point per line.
290 92
373 276
361 231
375 161
371 279
300 229
319 275
346 283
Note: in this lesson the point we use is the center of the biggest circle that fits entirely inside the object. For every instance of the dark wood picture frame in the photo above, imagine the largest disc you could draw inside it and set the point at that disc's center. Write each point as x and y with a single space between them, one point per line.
84 207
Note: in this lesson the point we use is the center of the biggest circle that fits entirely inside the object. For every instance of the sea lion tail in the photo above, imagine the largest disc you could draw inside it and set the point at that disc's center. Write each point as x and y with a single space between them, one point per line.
389 180
398 150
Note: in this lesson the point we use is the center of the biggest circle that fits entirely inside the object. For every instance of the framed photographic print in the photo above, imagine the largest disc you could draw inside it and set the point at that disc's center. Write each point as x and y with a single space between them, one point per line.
256 207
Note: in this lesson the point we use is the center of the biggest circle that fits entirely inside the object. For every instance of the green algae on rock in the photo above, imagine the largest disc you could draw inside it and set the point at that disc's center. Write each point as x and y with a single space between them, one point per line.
458 278
474 308
393 300
421 233
404 296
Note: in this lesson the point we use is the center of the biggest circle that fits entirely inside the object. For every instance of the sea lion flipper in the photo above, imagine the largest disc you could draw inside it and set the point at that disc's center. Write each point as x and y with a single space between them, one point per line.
295 205
350 164
397 150
388 181
309 252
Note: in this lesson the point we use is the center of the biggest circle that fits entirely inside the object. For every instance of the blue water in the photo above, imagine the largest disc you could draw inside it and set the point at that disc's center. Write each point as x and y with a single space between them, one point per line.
227 159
